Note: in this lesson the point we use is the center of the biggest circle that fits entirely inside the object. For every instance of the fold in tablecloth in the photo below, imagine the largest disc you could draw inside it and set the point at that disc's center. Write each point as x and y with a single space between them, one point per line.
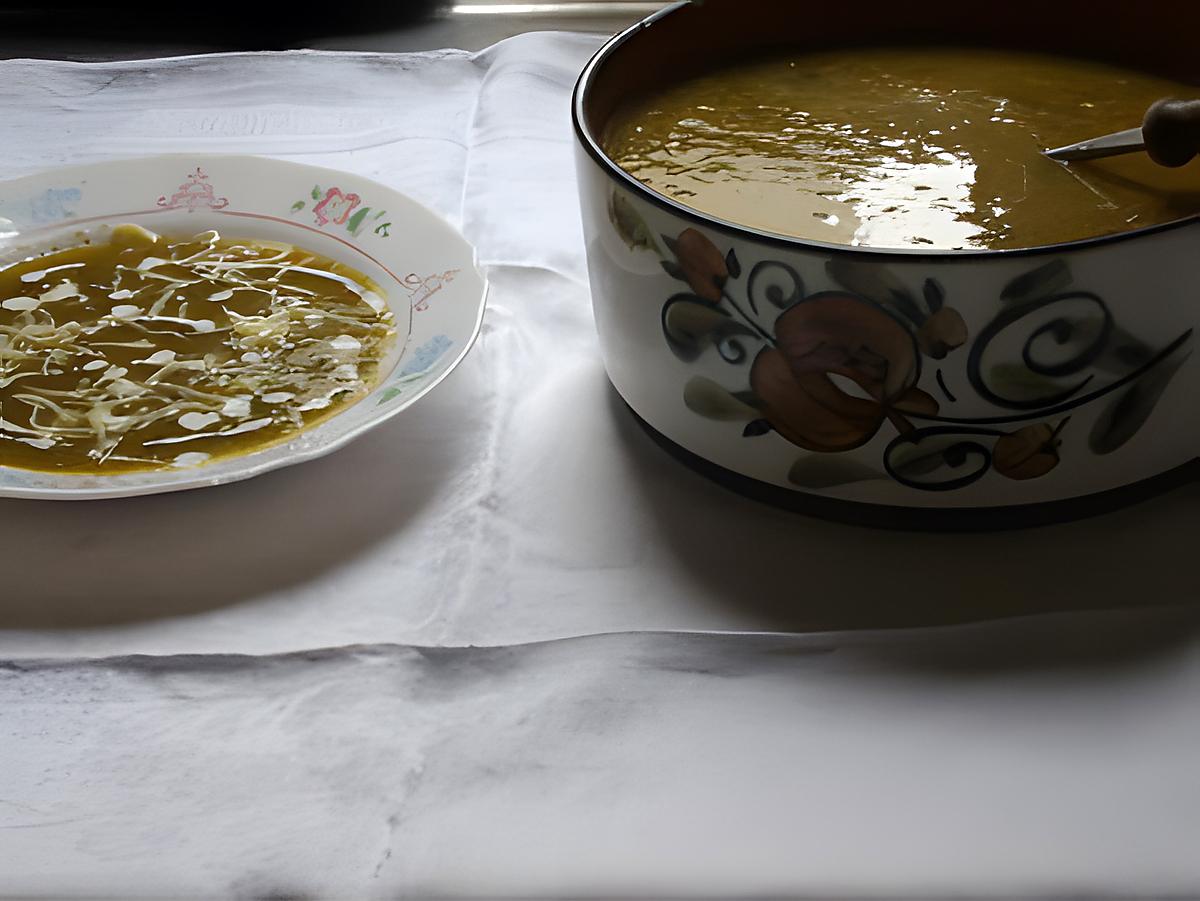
921 764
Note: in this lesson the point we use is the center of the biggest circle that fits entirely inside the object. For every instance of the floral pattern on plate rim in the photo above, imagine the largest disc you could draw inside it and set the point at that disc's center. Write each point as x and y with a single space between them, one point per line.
194 193
334 206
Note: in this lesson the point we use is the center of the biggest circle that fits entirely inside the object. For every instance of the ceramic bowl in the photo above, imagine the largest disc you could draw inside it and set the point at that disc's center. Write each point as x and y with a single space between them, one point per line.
1072 390
426 269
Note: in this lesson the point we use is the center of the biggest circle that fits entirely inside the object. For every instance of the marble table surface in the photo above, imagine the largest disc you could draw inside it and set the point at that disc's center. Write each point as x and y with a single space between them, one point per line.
505 646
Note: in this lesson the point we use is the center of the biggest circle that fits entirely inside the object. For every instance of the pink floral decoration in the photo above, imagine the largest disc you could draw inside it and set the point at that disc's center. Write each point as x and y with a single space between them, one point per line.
194 194
336 207
421 288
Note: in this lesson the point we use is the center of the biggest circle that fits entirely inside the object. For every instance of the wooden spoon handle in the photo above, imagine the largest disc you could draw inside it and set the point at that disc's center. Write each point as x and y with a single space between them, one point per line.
1171 131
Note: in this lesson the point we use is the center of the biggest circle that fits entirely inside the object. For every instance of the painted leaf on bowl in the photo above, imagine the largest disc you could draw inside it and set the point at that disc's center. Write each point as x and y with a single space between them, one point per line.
691 324
1128 411
1045 280
927 454
935 295
732 264
1016 381
1123 353
817 472
875 283
712 401
629 224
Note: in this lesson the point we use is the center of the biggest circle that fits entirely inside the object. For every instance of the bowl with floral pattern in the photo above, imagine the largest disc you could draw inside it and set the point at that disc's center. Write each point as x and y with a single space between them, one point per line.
907 387
425 270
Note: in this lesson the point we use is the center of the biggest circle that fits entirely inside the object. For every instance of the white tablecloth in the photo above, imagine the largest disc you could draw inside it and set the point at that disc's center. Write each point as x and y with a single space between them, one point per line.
520 508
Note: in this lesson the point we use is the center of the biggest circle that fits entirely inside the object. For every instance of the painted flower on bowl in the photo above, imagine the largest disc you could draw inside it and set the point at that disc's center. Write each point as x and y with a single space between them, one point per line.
840 367
697 262
828 370
336 207
1029 452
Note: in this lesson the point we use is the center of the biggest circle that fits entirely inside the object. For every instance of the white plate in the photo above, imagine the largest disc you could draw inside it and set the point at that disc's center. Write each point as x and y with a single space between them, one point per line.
426 269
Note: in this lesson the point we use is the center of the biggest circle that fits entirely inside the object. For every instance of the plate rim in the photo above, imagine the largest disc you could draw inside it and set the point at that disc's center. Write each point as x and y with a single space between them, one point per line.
197 480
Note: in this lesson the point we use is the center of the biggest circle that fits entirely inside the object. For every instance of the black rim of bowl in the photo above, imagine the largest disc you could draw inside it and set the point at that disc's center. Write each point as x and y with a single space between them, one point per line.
897 517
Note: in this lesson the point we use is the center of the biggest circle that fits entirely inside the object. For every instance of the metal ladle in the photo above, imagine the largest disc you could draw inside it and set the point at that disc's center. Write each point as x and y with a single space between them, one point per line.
1169 133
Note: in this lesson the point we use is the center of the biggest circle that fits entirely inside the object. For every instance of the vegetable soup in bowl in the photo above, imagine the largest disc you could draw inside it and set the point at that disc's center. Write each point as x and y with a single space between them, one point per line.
832 268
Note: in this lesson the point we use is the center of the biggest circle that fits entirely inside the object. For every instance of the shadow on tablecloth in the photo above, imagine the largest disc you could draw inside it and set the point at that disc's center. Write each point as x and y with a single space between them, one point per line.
796 573
184 553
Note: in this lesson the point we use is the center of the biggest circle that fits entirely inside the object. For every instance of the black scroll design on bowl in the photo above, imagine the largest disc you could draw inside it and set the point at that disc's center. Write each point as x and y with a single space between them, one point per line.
960 456
691 323
827 371
1059 330
773 282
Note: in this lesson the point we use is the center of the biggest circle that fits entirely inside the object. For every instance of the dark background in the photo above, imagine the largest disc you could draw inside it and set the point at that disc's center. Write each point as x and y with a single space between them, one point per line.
106 31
